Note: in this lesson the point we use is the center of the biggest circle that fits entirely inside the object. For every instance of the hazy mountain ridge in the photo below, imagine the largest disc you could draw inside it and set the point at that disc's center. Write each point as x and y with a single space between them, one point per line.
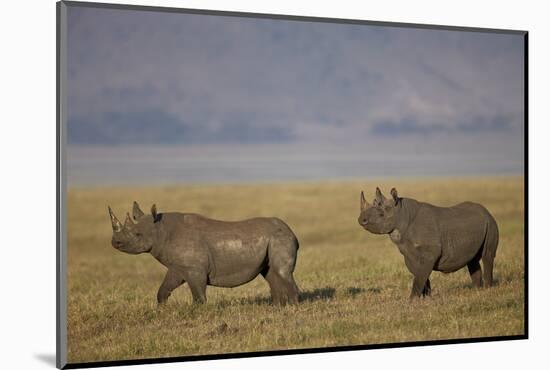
160 78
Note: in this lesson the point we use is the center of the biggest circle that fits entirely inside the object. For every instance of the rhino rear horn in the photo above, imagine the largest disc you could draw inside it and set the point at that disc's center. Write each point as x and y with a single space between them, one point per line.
137 213
128 222
117 226
379 196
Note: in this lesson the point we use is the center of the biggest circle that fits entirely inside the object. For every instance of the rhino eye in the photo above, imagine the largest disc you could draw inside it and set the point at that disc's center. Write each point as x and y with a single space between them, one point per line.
139 235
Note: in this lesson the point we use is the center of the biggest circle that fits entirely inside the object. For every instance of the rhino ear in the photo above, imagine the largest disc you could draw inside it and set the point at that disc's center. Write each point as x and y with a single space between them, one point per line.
156 216
394 196
363 202
137 213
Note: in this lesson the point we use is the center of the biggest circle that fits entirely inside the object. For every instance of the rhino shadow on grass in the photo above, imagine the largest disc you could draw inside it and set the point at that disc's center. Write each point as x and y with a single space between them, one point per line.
435 238
317 294
203 251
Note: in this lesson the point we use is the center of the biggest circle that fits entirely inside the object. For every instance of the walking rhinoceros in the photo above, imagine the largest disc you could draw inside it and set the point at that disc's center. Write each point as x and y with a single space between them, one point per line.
435 238
202 251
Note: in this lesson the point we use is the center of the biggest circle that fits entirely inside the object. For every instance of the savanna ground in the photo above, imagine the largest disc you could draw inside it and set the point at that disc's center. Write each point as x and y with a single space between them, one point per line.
354 285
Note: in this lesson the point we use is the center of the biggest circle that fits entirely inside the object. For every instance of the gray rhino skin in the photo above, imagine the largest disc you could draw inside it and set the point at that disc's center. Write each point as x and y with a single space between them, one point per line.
202 251
435 238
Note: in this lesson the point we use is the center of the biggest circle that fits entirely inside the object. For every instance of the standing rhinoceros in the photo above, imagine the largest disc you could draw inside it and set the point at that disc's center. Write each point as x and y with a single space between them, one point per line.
435 238
202 251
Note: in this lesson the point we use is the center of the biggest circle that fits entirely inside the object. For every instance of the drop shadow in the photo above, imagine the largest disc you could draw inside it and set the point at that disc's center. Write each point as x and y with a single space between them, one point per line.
316 294
47 358
353 291
374 290
258 300
303 296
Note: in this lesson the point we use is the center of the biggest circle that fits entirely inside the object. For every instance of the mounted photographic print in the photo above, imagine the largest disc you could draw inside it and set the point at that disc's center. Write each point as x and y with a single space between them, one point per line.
235 184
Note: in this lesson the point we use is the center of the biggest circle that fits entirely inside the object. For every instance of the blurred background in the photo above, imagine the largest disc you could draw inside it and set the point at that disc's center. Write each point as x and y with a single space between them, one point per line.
161 98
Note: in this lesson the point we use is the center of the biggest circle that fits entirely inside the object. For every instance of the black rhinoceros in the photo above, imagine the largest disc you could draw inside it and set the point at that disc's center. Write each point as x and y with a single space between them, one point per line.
202 251
435 238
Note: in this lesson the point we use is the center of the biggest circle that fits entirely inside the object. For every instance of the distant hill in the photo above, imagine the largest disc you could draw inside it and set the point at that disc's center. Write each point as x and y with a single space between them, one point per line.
155 127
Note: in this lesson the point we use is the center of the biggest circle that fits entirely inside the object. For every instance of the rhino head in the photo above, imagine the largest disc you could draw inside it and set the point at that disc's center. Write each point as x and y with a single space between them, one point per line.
136 235
381 216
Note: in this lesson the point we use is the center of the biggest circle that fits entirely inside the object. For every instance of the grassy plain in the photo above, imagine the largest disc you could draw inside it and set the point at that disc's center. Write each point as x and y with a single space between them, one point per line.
354 285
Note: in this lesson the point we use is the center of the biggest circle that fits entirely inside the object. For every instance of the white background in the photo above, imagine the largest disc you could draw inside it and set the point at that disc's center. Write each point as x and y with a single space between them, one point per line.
27 213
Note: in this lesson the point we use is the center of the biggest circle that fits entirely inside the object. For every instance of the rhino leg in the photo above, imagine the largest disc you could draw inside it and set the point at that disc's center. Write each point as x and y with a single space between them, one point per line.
283 288
420 282
281 263
488 270
172 280
489 252
427 291
197 283
274 285
475 272
421 267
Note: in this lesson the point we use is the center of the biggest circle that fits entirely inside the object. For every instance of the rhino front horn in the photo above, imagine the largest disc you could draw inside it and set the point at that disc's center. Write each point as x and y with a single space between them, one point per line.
117 226
363 202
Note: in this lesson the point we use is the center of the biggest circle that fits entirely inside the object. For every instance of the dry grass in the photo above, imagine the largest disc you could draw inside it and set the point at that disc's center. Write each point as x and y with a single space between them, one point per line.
354 285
